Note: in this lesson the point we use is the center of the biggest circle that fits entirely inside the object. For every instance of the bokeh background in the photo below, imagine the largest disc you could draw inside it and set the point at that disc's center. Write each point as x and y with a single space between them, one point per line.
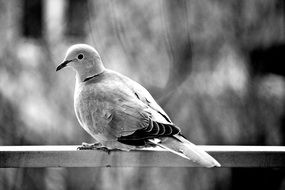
215 66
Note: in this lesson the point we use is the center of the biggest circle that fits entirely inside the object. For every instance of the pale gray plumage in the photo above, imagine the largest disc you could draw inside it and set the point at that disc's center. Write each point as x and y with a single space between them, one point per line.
120 113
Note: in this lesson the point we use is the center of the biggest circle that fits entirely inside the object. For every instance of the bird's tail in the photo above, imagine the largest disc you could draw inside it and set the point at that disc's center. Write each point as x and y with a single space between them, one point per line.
182 147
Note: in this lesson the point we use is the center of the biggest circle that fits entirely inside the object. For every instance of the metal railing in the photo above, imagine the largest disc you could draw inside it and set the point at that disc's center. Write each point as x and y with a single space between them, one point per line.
69 156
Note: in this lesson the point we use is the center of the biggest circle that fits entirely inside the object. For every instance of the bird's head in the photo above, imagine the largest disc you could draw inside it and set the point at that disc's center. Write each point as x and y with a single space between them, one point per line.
84 59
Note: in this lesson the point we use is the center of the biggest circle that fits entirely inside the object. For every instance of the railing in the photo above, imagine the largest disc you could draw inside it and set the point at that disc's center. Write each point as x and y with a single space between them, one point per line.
69 156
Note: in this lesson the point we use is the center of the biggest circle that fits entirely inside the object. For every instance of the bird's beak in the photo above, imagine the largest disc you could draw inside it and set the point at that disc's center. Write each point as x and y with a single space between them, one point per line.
63 64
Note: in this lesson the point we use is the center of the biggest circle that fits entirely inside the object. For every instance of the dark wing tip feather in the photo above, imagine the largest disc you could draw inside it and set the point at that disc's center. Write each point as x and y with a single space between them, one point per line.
153 130
168 130
149 127
161 129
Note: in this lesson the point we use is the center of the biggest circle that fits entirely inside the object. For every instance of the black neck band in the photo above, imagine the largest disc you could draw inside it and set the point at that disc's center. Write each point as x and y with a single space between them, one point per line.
88 78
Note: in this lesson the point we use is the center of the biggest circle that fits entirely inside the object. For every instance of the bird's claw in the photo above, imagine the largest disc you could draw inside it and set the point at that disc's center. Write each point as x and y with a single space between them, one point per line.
93 146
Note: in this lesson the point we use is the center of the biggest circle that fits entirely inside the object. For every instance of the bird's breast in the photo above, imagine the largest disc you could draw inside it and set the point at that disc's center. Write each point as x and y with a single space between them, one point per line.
92 111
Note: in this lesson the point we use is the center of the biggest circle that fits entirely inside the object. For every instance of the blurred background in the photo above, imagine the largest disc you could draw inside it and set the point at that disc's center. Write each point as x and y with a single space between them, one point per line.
215 66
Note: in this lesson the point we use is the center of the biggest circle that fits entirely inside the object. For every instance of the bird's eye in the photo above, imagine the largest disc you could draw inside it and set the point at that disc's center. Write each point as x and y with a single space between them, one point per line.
80 56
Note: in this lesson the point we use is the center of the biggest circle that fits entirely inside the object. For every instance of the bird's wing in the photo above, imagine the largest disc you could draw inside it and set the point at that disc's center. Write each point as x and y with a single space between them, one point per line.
132 121
137 116
144 96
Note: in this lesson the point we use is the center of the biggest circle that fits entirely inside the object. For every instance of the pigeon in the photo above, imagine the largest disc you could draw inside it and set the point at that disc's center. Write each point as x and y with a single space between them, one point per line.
119 113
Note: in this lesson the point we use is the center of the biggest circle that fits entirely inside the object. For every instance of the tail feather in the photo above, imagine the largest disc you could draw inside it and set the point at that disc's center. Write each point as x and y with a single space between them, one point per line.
182 147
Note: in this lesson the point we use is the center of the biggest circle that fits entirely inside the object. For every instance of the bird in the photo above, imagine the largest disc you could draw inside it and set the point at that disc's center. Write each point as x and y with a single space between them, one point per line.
121 114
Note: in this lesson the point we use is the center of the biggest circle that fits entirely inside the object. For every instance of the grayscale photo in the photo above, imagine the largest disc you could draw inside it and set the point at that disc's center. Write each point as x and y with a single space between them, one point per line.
143 95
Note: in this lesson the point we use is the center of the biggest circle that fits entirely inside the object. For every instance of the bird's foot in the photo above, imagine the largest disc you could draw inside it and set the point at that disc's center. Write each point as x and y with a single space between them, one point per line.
94 146
90 146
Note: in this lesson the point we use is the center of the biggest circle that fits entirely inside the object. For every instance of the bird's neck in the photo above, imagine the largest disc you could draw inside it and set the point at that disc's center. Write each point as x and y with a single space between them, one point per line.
81 76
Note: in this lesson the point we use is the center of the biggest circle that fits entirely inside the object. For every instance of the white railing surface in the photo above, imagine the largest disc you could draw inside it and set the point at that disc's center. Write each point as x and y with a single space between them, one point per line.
69 156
